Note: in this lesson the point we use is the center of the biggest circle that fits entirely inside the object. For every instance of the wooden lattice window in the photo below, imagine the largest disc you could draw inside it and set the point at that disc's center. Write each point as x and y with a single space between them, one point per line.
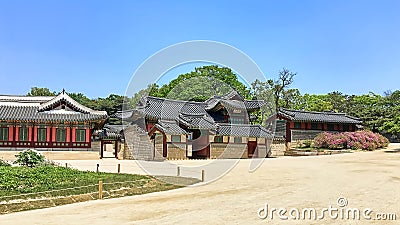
80 135
176 138
23 134
61 135
218 139
41 134
237 140
3 133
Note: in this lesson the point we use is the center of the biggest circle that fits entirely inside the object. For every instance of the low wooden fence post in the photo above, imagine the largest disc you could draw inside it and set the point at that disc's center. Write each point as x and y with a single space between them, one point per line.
97 168
100 189
202 176
178 172
119 168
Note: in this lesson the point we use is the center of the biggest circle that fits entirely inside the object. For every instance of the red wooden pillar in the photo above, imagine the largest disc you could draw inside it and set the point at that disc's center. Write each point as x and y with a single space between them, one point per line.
10 133
116 149
101 149
73 137
16 133
48 133
35 133
53 134
88 135
30 138
67 134
288 131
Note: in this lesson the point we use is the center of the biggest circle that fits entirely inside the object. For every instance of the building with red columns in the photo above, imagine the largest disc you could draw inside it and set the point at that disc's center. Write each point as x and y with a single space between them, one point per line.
47 123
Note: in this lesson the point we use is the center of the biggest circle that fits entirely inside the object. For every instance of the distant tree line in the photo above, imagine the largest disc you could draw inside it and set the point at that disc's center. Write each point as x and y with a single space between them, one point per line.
380 113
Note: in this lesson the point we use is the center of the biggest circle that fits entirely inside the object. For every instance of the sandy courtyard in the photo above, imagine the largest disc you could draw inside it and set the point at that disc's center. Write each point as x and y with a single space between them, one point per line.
365 179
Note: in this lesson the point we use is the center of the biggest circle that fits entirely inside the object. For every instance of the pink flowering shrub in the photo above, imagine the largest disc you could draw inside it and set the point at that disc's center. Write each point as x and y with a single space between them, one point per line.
366 140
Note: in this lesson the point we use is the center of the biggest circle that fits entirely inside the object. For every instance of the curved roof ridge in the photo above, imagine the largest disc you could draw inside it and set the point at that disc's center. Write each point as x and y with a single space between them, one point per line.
64 96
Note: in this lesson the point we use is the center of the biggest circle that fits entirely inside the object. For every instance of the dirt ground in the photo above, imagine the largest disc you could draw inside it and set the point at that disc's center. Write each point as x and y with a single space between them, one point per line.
365 179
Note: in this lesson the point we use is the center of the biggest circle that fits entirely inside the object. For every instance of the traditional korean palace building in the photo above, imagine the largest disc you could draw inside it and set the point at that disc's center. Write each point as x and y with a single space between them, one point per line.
47 123
217 128
295 125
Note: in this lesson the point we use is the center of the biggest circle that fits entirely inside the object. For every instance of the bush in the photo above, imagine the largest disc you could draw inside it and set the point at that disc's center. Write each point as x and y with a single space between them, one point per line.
30 158
365 140
304 144
4 163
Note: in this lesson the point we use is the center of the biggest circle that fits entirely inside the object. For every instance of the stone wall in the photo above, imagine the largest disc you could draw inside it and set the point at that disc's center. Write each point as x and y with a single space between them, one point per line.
228 151
176 151
262 151
278 148
137 144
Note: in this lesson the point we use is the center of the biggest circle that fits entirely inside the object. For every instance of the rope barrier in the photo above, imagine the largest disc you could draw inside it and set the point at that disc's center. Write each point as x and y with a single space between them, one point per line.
72 188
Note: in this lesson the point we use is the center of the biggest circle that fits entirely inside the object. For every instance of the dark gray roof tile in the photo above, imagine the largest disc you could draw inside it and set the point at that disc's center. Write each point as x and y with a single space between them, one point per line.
170 127
243 130
322 117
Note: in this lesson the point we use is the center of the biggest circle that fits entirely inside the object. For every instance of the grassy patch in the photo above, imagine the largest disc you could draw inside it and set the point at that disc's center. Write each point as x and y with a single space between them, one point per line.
23 188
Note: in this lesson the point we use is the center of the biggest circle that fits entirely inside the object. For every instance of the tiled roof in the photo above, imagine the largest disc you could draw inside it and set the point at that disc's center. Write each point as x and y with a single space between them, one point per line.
34 110
169 127
233 100
308 116
197 122
161 108
109 135
25 99
114 128
243 130
124 114
31 113
63 97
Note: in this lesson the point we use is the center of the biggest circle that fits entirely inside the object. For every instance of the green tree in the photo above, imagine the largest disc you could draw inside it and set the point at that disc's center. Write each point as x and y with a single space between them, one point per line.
390 111
203 83
29 158
38 91
282 96
82 99
312 102
338 100
290 98
369 108
279 86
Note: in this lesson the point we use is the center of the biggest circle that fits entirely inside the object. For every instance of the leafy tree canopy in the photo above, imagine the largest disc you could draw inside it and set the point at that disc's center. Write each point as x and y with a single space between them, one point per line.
39 91
201 84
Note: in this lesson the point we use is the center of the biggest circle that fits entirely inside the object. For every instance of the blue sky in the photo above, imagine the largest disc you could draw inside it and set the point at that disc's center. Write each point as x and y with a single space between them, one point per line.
94 47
